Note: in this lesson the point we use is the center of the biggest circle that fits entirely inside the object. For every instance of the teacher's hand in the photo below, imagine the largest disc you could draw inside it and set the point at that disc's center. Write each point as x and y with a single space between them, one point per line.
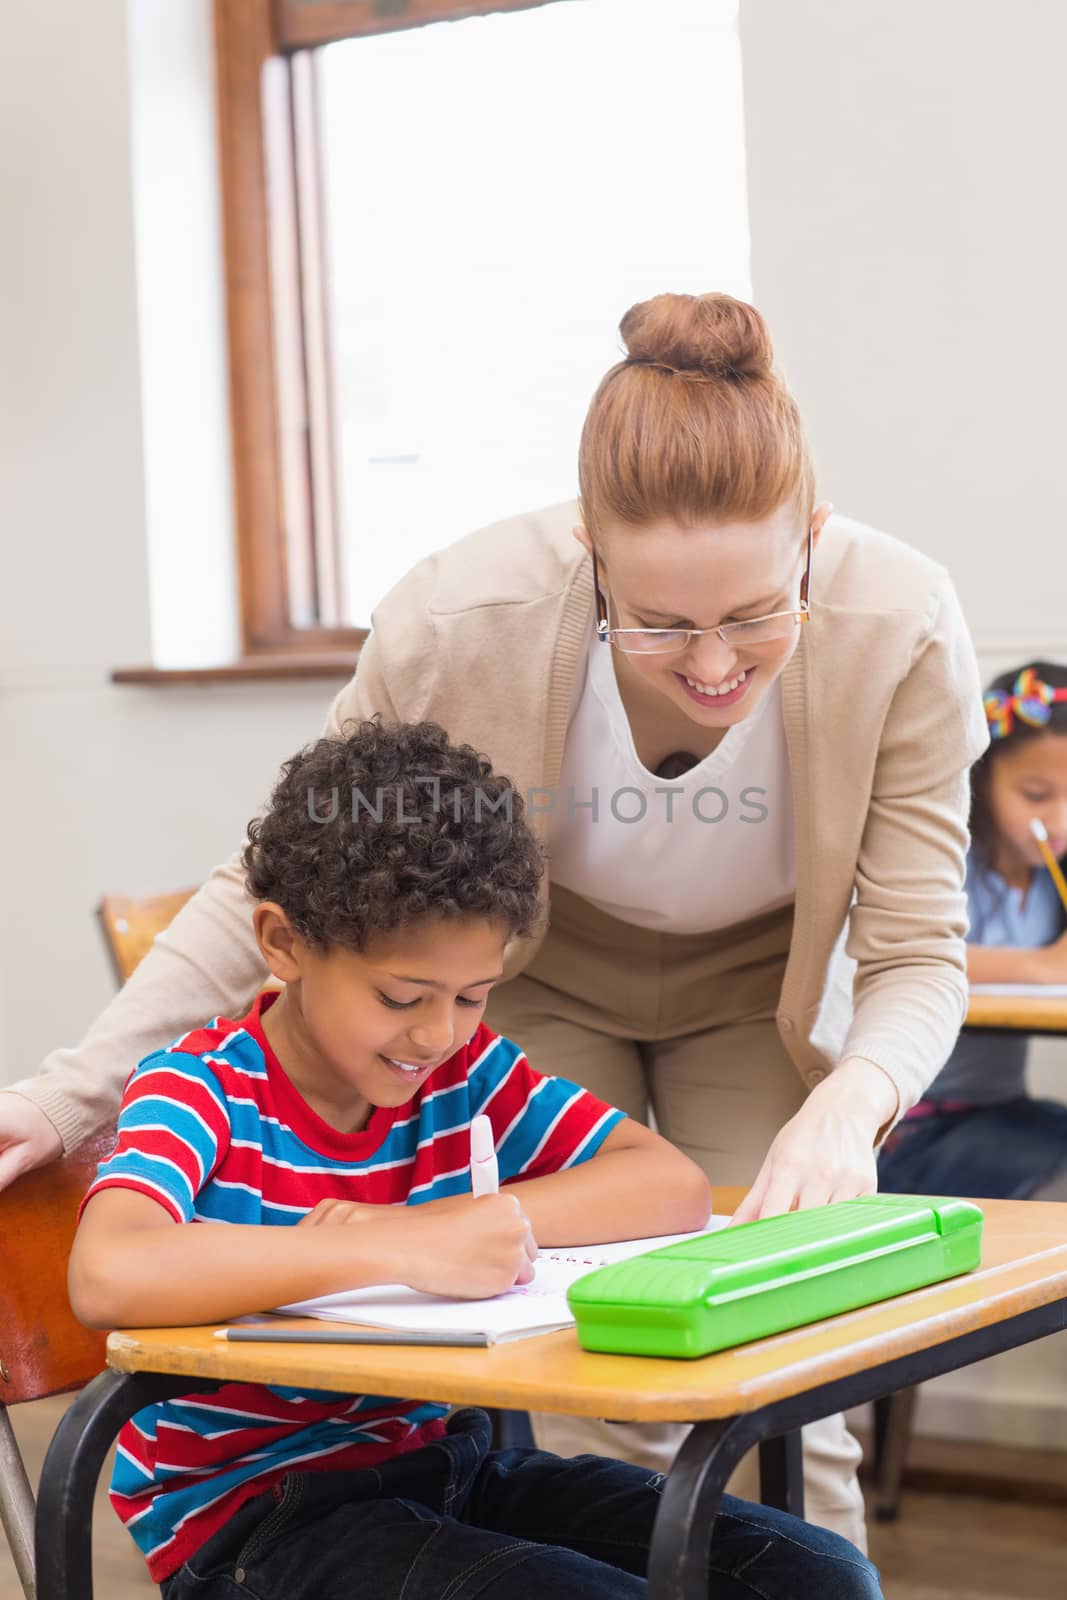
27 1137
825 1152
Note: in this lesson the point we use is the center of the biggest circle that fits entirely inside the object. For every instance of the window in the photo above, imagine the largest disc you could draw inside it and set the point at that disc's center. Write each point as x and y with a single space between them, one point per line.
435 216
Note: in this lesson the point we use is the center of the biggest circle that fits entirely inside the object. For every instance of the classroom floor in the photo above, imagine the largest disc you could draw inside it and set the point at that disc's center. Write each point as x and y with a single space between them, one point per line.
945 1546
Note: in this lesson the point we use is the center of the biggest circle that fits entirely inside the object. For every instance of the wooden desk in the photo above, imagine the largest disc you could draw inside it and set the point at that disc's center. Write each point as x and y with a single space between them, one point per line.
738 1398
1017 1013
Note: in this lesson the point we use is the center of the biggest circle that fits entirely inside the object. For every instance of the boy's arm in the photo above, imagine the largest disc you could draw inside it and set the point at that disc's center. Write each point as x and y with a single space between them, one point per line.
636 1186
143 1258
133 1265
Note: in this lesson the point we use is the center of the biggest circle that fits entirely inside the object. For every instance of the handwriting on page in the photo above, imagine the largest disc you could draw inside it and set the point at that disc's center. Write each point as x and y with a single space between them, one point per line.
555 1272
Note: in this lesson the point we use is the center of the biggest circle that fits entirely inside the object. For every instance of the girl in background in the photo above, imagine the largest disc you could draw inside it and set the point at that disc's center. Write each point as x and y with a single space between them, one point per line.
976 1132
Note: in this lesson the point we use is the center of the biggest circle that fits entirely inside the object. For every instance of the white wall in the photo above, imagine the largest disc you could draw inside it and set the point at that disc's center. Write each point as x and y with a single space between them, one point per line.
907 190
103 787
909 240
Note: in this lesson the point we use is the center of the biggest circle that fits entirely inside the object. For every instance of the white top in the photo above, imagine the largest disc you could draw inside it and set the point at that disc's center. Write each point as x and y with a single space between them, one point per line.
700 852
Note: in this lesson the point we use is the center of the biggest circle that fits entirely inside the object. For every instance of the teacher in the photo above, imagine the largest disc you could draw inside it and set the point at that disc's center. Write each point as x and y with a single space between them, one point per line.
744 728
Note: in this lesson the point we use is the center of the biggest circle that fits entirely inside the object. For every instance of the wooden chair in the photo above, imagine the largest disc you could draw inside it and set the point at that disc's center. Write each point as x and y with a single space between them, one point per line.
130 926
43 1349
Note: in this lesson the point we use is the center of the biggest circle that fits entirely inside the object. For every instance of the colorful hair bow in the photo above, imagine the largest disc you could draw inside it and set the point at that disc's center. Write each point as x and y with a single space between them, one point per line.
1031 700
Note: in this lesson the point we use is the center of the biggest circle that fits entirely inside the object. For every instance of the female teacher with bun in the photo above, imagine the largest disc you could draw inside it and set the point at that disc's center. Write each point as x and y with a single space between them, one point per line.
744 729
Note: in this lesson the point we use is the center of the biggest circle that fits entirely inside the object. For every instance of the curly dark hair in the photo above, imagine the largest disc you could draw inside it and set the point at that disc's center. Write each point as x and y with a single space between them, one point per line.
389 825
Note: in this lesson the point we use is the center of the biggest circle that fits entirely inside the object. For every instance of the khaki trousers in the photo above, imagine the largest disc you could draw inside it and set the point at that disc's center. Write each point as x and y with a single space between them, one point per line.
679 1026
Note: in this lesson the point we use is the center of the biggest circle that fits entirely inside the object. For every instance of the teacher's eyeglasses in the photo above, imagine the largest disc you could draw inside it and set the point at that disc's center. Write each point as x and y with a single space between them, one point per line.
667 641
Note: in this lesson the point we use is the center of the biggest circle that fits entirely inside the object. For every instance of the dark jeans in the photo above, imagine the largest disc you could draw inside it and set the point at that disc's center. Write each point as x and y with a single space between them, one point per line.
457 1520
1000 1152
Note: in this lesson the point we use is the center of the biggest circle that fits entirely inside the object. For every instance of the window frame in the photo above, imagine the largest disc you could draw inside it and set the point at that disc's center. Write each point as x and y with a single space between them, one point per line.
277 332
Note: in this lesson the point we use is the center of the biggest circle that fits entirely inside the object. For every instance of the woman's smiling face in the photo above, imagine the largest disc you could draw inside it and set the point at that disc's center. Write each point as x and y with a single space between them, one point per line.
667 575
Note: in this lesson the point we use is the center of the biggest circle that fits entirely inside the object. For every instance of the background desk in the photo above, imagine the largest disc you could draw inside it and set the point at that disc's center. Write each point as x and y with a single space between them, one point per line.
1017 1013
738 1397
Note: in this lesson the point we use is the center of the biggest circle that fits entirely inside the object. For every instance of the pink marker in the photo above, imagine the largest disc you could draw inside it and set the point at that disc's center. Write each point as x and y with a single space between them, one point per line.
485 1177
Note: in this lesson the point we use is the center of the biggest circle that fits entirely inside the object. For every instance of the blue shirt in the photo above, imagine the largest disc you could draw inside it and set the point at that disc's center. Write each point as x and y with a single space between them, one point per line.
987 1069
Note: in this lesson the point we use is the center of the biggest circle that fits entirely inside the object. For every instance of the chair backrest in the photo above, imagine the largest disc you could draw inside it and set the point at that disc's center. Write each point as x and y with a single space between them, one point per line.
131 925
43 1348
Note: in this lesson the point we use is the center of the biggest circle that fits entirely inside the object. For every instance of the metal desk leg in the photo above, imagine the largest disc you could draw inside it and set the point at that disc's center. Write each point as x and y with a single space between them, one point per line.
781 1472
892 1430
681 1539
511 1429
64 1524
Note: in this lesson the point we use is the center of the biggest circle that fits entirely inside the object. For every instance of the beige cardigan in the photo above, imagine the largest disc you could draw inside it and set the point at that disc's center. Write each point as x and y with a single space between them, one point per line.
883 718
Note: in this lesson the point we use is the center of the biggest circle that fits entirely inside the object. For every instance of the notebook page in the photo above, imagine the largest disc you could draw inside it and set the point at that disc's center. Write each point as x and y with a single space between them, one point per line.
1043 991
532 1308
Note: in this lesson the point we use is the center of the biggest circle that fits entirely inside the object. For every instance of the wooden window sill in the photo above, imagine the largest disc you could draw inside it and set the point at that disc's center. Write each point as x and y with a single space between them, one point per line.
336 664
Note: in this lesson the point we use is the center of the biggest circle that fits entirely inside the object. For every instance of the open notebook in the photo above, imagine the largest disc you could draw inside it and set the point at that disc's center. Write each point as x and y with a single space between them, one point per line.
536 1307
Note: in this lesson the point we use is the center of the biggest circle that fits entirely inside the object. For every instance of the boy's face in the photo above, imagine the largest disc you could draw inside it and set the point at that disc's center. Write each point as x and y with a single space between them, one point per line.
357 1029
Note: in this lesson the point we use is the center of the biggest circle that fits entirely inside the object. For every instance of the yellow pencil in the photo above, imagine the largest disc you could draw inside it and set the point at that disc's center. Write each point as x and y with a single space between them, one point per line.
1040 833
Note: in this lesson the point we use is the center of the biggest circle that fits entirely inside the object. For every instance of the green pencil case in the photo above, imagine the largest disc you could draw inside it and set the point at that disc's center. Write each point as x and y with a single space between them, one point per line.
723 1289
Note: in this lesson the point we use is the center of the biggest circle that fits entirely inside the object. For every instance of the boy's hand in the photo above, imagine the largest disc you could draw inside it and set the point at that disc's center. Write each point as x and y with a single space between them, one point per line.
465 1248
461 1246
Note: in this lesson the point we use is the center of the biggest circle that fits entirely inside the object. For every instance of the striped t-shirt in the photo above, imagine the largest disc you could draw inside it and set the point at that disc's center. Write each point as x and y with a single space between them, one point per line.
213 1130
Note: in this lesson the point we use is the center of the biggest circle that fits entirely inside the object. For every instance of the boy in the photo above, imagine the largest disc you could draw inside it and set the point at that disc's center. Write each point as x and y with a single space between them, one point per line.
328 1132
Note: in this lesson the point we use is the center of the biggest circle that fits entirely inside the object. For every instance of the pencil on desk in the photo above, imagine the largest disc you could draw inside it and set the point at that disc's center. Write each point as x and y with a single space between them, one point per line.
1040 833
349 1336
